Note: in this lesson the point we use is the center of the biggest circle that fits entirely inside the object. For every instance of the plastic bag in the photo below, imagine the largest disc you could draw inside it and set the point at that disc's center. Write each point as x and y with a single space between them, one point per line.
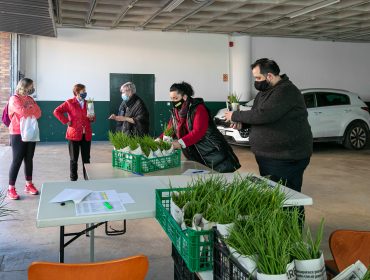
29 129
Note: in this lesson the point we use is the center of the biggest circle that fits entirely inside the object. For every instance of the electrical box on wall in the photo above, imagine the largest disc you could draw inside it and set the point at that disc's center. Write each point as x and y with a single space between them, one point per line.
225 77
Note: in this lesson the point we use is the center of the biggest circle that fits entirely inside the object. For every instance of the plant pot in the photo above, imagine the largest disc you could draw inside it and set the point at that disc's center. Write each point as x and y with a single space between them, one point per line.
137 151
235 106
167 139
311 269
200 223
289 275
262 276
176 212
158 153
90 109
126 149
291 271
224 229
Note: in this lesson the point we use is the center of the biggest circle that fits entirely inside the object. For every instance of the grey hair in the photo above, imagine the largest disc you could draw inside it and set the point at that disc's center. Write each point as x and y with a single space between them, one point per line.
22 85
131 86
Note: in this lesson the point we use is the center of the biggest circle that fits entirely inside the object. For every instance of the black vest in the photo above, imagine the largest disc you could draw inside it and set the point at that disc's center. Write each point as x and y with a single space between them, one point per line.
212 150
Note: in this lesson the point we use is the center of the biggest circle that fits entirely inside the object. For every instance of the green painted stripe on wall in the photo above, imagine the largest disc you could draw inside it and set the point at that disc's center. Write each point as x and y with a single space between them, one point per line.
51 130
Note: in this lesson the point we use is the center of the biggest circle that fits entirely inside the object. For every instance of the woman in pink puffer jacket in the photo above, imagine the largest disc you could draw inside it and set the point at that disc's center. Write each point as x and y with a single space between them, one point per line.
21 104
73 113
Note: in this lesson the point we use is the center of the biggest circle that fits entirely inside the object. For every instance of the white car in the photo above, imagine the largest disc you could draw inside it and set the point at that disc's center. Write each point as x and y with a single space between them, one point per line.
334 115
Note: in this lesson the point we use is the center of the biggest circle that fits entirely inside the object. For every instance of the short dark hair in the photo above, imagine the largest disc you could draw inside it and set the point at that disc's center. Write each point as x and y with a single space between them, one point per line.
77 88
266 66
183 88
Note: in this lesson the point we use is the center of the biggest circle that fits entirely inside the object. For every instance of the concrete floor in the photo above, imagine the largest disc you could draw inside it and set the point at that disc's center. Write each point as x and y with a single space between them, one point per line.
337 179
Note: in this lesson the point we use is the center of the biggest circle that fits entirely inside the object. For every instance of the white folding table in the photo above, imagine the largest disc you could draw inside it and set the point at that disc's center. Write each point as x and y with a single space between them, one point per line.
141 189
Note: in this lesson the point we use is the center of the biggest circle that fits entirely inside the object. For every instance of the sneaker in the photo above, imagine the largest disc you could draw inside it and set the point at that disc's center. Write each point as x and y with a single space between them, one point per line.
31 189
12 194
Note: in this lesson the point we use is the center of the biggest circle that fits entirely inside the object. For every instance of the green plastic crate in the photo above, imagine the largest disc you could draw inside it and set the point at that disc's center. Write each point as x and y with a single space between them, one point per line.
142 164
195 247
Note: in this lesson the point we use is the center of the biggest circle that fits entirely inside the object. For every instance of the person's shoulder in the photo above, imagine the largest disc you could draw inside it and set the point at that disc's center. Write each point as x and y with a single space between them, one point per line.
71 100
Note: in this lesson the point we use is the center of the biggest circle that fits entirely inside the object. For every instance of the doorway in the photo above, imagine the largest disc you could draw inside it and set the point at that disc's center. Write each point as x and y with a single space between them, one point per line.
144 89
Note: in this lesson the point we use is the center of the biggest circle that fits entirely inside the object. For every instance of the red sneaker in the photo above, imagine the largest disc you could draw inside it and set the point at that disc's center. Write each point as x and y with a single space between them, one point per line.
12 194
31 189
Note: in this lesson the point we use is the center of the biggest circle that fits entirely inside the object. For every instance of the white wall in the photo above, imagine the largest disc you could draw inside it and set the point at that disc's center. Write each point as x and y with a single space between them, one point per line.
240 61
88 56
318 63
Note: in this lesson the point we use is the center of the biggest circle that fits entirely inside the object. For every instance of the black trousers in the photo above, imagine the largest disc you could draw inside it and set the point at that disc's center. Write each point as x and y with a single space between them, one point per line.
22 151
288 172
74 151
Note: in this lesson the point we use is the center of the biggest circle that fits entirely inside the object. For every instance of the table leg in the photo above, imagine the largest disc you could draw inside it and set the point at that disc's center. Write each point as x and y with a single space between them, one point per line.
61 245
92 258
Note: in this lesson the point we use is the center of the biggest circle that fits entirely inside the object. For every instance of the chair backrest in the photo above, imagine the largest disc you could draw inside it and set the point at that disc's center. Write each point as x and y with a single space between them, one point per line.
348 246
132 268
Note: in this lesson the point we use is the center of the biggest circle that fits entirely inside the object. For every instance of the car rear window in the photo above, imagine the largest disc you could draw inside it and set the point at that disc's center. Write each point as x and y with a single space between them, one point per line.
331 99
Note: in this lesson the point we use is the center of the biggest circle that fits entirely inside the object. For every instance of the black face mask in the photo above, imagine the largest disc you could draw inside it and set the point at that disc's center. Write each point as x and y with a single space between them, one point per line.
178 104
262 85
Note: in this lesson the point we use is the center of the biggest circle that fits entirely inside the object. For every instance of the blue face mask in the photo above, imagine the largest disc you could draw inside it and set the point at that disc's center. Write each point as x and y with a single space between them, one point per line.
83 95
124 97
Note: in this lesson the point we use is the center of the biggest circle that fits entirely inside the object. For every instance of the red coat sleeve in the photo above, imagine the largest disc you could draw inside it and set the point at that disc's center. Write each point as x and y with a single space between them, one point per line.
200 126
60 111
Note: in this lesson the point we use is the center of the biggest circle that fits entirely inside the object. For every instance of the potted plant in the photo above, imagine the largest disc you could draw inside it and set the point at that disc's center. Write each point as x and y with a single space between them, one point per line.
168 133
234 100
273 245
90 107
308 257
240 245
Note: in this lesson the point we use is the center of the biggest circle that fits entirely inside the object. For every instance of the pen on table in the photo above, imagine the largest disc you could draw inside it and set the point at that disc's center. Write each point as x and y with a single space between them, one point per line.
137 173
62 203
198 171
108 205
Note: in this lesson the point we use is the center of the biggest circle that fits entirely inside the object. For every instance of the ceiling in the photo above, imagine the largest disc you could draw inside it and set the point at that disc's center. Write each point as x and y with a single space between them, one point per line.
27 17
346 20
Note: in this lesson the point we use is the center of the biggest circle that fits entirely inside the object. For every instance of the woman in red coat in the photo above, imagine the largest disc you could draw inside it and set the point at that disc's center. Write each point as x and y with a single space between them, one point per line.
73 113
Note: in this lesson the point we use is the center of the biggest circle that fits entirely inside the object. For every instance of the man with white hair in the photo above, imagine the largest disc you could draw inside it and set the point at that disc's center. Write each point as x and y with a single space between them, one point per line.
133 116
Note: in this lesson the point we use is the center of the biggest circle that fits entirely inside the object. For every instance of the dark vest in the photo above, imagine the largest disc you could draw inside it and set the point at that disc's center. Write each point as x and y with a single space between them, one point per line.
212 150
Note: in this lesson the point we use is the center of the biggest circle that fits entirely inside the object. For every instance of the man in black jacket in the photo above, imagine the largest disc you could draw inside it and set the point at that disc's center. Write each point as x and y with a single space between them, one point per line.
280 136
133 116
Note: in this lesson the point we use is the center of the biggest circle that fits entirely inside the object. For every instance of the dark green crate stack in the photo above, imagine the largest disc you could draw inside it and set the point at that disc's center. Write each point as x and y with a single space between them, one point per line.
195 247
142 164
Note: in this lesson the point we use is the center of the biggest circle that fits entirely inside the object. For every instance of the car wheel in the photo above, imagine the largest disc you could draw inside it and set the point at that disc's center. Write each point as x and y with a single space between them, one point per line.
357 136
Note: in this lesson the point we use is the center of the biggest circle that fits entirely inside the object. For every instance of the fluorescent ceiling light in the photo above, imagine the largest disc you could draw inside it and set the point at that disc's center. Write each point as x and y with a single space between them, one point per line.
173 5
312 8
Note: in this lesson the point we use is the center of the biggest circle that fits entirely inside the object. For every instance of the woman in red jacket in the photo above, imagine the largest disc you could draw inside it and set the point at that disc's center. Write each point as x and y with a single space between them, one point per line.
196 133
21 105
79 131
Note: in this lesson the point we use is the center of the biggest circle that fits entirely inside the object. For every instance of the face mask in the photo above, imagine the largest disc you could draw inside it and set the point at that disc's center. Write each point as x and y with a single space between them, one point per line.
31 91
83 95
124 97
262 85
178 104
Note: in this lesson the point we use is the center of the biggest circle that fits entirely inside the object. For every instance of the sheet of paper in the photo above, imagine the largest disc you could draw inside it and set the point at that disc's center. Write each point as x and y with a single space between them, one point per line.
100 202
76 195
126 198
195 172
97 207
